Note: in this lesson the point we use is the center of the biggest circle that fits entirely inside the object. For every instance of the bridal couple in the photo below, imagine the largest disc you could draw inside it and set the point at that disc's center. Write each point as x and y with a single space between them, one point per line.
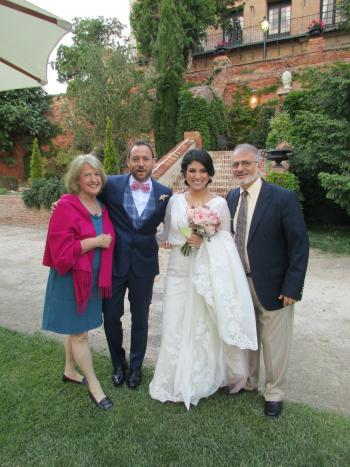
222 304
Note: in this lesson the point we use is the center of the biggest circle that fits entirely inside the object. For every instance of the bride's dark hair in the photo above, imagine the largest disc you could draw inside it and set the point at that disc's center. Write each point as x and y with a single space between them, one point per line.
198 155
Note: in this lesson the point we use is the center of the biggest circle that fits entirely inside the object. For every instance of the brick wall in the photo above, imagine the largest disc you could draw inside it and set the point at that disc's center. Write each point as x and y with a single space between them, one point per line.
14 212
17 170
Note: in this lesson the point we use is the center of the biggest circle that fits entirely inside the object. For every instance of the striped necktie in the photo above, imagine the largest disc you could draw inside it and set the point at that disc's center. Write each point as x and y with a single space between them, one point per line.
241 228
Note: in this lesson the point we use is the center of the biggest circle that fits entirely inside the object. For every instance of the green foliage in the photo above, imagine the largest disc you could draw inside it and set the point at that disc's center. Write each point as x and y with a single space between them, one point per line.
169 67
337 188
280 130
56 164
43 193
260 125
316 122
104 82
286 180
195 17
246 124
195 113
296 101
343 7
36 165
87 32
241 117
330 238
23 115
3 191
8 183
110 160
157 434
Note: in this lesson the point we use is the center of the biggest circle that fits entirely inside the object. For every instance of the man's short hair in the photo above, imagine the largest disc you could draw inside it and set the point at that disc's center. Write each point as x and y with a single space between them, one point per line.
141 143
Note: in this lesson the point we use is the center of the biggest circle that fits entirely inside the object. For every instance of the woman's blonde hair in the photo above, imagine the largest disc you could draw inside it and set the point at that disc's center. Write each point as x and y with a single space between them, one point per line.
76 166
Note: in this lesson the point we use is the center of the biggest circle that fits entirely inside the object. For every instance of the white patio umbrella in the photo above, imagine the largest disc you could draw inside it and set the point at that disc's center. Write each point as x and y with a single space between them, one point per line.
28 34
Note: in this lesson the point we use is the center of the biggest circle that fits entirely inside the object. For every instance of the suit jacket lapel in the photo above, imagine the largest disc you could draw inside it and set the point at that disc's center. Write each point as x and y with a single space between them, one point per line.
261 205
232 204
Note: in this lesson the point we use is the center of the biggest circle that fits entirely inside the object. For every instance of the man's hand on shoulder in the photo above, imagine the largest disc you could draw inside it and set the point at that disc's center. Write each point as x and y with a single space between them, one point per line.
54 206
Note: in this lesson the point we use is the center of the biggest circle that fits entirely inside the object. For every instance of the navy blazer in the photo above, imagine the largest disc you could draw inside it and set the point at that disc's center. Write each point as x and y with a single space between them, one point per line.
135 249
278 244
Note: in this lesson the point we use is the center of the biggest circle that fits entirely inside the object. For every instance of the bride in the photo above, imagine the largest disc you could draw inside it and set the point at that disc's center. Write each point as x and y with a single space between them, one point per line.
208 315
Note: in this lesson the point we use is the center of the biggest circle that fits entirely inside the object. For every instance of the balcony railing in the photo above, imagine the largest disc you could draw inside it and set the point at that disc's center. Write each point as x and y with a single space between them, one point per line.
238 37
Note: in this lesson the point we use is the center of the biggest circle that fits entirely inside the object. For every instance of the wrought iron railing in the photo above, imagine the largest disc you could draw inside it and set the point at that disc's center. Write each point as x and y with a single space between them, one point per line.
237 37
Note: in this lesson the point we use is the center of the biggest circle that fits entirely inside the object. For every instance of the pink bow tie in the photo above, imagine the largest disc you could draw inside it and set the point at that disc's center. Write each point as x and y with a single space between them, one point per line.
140 186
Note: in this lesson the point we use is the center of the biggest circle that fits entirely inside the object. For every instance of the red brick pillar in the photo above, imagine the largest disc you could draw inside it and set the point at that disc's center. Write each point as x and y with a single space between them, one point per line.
196 137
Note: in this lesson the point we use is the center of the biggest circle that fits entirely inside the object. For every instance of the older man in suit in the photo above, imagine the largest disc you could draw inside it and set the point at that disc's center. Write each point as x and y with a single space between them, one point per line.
136 205
272 241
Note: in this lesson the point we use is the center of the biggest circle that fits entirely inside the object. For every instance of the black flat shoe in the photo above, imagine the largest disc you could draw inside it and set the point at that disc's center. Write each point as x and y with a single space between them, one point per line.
134 378
104 403
65 379
118 376
273 408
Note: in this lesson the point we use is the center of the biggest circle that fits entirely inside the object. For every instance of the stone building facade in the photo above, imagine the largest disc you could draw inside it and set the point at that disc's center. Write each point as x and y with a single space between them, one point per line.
245 54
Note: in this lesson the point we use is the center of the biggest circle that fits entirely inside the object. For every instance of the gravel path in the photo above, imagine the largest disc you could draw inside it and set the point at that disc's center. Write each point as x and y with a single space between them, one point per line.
319 369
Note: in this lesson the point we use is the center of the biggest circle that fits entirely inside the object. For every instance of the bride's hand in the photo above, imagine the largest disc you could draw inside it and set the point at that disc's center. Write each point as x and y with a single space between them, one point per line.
166 245
194 240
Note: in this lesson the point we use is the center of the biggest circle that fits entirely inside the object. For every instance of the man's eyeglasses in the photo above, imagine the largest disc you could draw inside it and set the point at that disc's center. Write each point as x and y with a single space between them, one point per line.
244 164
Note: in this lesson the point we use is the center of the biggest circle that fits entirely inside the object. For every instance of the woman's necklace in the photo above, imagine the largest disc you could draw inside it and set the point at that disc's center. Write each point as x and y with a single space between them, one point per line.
92 206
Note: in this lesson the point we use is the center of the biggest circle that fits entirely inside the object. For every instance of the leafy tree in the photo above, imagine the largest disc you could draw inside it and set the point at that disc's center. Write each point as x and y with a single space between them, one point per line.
87 32
106 83
169 66
224 10
343 7
317 125
36 166
280 127
195 17
23 115
110 160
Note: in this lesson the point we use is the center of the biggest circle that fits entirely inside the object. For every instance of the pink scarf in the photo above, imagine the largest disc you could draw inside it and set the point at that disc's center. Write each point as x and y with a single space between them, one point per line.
69 224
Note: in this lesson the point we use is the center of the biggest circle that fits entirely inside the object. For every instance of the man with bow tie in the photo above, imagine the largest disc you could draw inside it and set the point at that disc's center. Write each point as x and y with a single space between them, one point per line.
136 205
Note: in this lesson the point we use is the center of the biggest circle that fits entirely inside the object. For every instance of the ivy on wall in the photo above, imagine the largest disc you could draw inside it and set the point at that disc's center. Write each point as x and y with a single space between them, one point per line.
197 114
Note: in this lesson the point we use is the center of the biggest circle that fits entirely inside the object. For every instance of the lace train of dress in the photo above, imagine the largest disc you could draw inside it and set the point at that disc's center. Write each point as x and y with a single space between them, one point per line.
208 315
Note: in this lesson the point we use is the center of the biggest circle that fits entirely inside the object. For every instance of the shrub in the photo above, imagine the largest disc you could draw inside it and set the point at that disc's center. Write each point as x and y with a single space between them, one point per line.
3 191
43 193
36 169
57 164
285 180
9 183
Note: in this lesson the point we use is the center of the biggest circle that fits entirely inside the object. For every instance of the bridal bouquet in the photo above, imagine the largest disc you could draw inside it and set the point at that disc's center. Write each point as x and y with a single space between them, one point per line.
202 221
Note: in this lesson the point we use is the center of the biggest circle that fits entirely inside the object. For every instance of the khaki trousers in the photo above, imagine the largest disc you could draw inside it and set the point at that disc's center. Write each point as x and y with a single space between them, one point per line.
274 332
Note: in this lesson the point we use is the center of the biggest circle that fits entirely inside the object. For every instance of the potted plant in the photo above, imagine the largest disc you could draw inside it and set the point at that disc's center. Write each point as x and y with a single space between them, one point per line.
222 46
315 27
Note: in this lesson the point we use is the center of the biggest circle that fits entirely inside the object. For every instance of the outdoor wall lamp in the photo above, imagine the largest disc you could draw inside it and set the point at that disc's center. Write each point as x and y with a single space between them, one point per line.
265 26
253 100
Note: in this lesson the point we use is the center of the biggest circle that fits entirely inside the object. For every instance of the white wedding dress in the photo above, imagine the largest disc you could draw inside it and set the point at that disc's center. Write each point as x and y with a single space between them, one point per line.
208 315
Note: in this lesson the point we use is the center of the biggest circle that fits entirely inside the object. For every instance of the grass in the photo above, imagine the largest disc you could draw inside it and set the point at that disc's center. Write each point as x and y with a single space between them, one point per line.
47 423
331 239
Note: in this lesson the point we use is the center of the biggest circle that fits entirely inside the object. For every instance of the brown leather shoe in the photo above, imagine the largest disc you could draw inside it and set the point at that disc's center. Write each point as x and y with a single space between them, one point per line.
273 408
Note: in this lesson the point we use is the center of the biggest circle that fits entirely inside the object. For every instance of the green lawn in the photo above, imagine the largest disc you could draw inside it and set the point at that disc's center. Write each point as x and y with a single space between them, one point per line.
331 239
47 423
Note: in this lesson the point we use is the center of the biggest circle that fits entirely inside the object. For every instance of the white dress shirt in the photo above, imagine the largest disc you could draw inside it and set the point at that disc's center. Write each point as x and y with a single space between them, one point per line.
140 197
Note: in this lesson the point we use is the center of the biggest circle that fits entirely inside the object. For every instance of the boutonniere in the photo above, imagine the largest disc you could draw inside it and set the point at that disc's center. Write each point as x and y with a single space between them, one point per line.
163 197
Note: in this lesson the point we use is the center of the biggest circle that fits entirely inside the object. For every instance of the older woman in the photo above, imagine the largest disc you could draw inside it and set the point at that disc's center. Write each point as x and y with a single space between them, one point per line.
79 249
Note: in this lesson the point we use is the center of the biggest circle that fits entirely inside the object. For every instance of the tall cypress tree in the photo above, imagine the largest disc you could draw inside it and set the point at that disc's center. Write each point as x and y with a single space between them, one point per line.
110 161
36 167
169 64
